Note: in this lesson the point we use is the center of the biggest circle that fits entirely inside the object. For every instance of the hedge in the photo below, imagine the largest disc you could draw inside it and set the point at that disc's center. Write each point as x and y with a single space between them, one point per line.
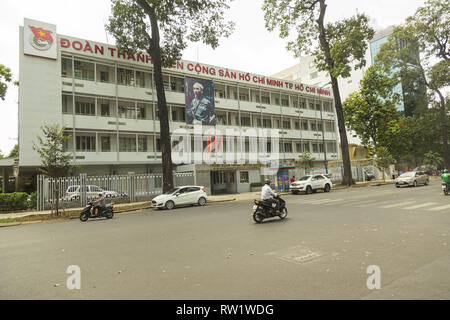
15 201
256 184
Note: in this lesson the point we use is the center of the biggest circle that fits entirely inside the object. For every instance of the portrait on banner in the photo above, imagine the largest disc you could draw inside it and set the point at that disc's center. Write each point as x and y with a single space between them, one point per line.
200 104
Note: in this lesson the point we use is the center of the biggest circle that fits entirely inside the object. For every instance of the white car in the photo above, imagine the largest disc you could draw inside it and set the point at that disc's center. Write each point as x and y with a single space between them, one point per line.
312 183
73 193
181 196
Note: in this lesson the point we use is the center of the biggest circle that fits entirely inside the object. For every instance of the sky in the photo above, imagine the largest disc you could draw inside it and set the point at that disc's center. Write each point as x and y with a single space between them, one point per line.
251 48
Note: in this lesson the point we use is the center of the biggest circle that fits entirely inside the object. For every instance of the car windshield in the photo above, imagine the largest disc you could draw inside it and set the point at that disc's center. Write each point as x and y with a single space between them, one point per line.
171 191
304 178
407 175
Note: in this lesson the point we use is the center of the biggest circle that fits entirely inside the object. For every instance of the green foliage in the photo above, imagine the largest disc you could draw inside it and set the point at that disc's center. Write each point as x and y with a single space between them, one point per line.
383 158
14 152
13 201
178 22
433 159
347 39
371 111
306 161
5 77
256 184
55 160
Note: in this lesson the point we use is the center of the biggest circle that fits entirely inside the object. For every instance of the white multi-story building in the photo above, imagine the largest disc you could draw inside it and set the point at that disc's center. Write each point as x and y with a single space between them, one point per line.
107 102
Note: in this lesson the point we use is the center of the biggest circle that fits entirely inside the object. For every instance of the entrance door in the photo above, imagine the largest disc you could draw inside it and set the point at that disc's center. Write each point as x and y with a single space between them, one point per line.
223 182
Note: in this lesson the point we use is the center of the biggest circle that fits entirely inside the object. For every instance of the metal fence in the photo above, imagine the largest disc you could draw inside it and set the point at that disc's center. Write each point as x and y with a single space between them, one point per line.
79 190
358 173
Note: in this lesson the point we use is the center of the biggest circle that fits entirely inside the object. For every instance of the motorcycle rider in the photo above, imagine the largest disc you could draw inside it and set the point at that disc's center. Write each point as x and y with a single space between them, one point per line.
446 177
99 204
266 192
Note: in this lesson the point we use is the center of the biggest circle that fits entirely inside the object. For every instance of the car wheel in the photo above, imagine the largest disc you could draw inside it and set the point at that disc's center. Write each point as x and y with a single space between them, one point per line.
308 190
201 201
427 182
170 205
398 186
295 192
415 184
327 188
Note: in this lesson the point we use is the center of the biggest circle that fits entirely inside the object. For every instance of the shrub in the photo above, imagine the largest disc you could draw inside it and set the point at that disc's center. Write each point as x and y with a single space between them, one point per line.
256 184
13 201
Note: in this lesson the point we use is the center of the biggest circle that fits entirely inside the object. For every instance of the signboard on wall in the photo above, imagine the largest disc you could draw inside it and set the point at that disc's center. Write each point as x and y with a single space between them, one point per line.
39 39
286 163
200 104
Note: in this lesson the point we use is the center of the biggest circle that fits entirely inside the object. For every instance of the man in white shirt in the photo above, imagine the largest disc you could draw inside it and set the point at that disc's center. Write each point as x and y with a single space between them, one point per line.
266 192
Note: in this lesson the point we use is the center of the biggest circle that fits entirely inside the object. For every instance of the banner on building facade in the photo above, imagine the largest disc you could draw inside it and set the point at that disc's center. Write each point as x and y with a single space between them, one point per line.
200 104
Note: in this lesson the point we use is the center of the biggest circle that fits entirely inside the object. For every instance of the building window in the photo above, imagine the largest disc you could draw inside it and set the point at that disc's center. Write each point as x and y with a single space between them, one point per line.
140 79
106 144
306 147
84 70
127 144
105 110
127 112
104 76
288 147
267 123
85 143
244 177
158 145
315 148
85 108
297 125
140 113
313 126
125 77
305 125
142 144
286 124
265 100
245 121
298 147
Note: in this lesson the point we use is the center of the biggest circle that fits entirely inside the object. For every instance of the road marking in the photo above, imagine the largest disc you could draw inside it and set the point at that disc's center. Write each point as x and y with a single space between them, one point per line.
357 203
326 201
397 204
367 203
439 208
419 206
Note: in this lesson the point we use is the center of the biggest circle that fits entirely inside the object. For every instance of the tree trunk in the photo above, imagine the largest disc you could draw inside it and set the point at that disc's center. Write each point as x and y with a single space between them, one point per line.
444 130
155 52
347 179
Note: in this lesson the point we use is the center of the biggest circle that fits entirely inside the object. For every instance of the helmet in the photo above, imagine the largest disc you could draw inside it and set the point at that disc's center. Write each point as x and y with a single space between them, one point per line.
267 181
445 171
100 193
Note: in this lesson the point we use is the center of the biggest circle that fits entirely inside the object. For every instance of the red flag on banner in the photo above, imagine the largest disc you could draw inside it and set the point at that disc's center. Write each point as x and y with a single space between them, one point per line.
43 34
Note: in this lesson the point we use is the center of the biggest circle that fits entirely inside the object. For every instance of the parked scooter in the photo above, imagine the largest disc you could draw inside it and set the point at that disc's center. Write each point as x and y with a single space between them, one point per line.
263 210
446 188
106 212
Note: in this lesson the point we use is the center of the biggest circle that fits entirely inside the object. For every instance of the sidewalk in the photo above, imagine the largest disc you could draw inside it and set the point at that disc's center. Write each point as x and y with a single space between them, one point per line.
39 216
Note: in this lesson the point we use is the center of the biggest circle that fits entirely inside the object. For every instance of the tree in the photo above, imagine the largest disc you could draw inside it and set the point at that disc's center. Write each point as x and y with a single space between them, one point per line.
306 161
162 28
433 159
55 161
340 44
14 152
371 111
5 77
412 46
1 154
383 159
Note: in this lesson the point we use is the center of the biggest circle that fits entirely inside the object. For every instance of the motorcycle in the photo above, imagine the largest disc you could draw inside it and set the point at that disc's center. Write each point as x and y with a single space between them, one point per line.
106 212
263 210
446 188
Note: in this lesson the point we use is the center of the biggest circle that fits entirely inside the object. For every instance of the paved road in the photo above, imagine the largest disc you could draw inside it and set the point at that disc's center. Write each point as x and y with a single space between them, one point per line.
321 251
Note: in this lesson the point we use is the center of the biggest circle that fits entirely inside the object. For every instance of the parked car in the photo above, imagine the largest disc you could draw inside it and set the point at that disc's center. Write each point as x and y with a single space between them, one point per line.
311 183
368 175
412 178
73 193
185 195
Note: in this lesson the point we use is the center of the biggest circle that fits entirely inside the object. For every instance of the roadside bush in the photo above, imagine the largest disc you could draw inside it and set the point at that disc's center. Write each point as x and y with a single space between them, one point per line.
32 204
256 184
13 201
